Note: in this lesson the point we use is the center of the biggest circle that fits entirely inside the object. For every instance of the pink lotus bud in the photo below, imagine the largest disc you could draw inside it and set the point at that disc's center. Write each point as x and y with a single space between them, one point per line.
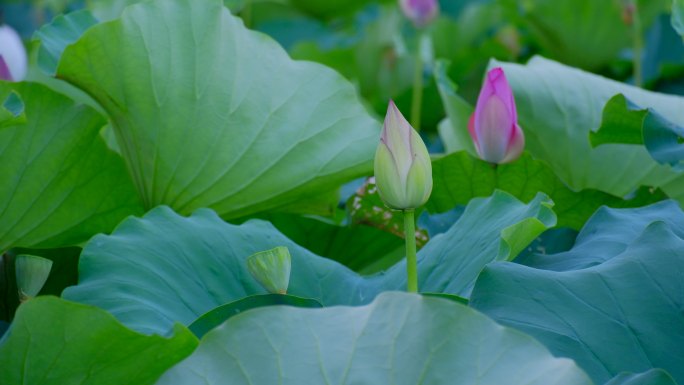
403 172
420 12
13 55
494 125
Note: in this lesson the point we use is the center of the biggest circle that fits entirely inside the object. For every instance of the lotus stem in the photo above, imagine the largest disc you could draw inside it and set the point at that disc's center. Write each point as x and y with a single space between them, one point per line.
417 101
638 47
411 260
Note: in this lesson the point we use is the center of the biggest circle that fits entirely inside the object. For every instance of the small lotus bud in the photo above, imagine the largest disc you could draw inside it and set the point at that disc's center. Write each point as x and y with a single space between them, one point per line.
13 55
403 172
420 12
494 124
32 272
271 268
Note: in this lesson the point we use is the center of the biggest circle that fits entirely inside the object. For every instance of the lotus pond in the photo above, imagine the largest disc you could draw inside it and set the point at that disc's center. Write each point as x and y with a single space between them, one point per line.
268 192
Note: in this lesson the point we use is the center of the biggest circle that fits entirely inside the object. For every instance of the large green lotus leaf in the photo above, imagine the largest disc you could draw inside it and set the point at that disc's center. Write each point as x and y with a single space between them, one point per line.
607 234
454 130
55 342
583 33
459 177
557 108
210 114
624 122
60 183
398 339
58 34
163 268
622 315
106 10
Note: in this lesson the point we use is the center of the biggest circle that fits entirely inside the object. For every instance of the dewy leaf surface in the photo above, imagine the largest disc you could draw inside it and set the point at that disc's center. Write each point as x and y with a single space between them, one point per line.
163 268
557 108
60 182
210 114
622 315
55 342
398 339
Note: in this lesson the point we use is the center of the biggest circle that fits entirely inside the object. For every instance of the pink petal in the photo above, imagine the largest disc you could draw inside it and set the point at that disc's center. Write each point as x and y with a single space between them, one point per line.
516 145
4 70
421 12
495 129
497 84
500 85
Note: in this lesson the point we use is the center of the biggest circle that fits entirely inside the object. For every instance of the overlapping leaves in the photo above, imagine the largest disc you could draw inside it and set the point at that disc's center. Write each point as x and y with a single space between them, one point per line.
54 342
397 339
558 106
210 114
58 342
163 268
614 303
61 184
625 123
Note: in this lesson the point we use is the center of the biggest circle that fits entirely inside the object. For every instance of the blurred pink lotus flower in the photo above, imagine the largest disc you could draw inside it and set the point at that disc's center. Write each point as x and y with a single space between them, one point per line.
494 124
14 59
420 12
4 71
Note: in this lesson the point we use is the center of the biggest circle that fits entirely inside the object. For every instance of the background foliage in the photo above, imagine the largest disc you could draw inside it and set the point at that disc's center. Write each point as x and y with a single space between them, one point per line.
155 145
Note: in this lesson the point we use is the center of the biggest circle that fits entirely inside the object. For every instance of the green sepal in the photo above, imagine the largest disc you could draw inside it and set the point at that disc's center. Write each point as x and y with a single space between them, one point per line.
271 268
32 272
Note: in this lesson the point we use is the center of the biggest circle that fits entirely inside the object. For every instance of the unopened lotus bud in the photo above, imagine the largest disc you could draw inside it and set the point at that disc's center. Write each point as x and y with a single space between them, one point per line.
271 268
403 172
13 55
32 272
494 124
420 12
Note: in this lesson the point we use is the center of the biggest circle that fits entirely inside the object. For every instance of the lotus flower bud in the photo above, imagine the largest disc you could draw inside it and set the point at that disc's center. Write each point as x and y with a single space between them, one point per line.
13 59
420 12
271 268
494 124
403 172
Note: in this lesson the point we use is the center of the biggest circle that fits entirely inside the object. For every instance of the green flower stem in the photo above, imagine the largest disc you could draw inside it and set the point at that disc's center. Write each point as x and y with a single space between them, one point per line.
417 101
411 260
638 47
